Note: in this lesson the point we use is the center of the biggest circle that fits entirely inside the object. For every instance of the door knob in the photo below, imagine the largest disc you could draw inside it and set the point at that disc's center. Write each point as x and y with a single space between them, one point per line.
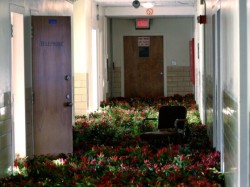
68 104
68 97
67 77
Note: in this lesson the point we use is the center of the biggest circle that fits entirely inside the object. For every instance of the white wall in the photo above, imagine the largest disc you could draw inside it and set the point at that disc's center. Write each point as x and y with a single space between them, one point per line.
82 32
243 161
230 85
234 37
176 31
5 87
5 47
248 92
199 61
88 17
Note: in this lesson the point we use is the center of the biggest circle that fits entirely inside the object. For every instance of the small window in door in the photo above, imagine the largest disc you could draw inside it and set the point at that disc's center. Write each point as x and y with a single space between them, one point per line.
143 51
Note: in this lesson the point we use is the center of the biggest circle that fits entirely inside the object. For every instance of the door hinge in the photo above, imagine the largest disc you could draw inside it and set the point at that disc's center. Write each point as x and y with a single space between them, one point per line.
32 31
33 97
11 30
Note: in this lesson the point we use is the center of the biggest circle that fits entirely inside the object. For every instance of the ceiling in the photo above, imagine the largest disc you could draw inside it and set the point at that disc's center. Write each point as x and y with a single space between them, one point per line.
160 3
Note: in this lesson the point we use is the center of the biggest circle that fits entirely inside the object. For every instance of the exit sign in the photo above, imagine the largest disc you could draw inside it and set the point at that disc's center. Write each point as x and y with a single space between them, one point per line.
142 24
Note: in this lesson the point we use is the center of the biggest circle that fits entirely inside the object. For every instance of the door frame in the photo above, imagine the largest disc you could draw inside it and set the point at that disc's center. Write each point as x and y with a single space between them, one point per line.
93 78
19 145
218 130
164 60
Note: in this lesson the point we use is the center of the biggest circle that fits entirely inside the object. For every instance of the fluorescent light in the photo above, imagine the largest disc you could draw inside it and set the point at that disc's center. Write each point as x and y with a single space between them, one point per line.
148 5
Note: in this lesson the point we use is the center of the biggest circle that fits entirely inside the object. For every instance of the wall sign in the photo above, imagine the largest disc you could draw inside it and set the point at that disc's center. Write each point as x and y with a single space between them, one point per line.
143 41
149 11
51 44
52 21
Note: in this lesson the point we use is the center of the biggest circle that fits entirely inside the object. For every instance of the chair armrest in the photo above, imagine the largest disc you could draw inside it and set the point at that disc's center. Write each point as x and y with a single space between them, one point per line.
177 121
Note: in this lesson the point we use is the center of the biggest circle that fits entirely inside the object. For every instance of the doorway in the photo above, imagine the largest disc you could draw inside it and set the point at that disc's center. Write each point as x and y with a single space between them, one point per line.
18 84
143 66
52 84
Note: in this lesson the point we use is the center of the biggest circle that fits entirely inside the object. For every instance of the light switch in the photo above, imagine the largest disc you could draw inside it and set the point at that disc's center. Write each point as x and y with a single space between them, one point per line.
173 63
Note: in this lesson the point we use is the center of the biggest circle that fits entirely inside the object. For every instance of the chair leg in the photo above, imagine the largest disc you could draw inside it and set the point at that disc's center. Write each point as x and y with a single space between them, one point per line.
170 142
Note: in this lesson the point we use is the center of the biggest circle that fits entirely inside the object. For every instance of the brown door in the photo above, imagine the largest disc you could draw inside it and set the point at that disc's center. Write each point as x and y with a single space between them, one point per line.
51 58
143 66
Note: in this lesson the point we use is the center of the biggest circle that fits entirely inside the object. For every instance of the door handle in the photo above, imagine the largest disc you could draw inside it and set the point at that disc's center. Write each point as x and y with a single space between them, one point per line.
67 77
68 104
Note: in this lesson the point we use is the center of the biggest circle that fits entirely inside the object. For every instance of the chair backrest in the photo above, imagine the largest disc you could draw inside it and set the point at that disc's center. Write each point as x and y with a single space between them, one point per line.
168 115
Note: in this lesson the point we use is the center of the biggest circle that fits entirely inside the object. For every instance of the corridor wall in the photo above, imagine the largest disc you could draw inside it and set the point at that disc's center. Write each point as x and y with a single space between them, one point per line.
176 31
226 93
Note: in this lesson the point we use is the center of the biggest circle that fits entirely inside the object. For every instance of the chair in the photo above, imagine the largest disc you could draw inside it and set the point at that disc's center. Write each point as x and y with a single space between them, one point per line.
171 124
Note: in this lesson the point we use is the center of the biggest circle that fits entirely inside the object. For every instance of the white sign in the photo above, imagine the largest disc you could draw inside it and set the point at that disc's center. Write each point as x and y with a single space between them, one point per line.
144 41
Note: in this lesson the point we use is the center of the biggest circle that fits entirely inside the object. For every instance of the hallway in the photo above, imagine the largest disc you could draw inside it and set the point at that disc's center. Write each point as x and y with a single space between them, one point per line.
204 50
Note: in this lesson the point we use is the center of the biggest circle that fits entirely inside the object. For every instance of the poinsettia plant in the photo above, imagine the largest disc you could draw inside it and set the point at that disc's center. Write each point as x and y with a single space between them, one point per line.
108 151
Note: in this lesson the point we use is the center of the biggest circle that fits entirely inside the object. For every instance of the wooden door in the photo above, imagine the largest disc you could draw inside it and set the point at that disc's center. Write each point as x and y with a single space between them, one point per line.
51 58
143 66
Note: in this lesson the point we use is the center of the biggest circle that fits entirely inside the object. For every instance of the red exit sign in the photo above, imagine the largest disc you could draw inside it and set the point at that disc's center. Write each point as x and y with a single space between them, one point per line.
142 24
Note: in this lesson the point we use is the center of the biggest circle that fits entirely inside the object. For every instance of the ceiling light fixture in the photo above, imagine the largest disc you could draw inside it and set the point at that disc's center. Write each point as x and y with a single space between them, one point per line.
148 5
